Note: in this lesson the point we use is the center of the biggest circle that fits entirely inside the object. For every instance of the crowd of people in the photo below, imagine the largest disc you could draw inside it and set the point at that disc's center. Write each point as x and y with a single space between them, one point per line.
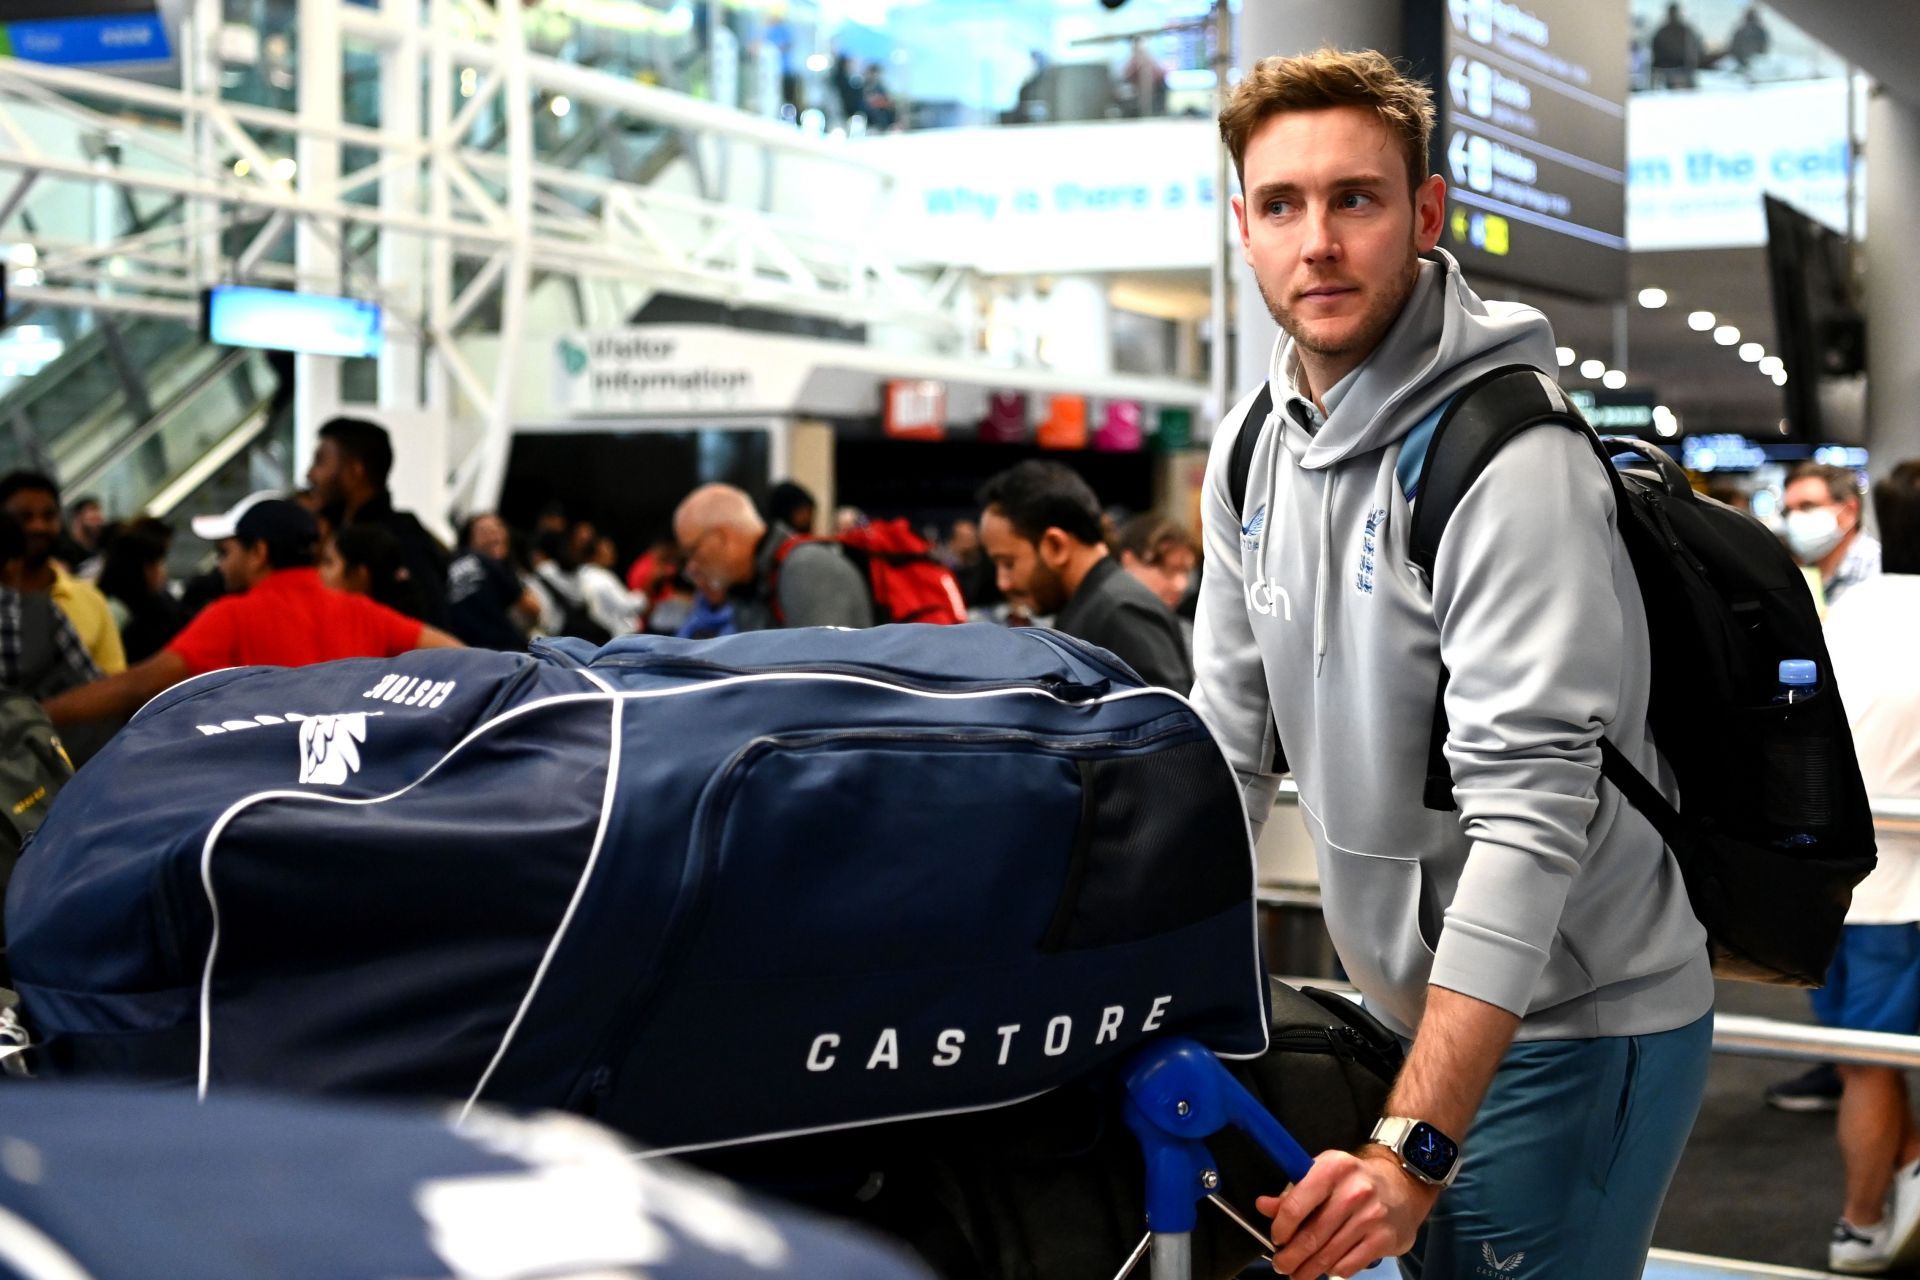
92 625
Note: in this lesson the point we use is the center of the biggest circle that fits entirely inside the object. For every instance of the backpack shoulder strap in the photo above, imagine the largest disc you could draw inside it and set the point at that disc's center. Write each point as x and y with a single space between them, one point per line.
1240 465
1481 418
1475 425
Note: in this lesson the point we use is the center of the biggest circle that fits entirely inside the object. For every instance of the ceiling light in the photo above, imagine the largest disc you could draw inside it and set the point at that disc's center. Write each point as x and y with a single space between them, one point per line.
1780 378
1664 421
1592 368
1653 299
818 62
241 168
1771 365
283 169
1726 335
1751 352
1613 380
1564 355
1700 320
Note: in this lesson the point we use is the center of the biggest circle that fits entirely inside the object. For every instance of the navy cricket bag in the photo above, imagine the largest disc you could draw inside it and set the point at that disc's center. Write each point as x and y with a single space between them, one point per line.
708 891
124 1184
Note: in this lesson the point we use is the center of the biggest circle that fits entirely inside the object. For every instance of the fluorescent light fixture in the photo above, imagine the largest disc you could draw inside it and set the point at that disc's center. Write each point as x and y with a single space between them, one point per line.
1613 380
1564 355
1726 335
1751 352
1771 365
1700 321
309 323
1653 299
1592 368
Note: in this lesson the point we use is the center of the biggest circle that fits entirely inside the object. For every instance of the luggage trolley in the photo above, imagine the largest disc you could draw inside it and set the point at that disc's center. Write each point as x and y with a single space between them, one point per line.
1177 1096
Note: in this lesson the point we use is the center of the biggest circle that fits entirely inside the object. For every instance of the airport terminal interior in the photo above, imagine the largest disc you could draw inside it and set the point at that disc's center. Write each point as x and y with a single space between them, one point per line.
612 331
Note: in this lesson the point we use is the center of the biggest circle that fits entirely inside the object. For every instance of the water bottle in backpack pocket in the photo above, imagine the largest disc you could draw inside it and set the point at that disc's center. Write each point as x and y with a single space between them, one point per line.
1797 759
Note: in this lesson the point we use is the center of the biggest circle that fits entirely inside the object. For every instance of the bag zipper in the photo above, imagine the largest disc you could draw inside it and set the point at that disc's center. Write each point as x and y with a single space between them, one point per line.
1059 686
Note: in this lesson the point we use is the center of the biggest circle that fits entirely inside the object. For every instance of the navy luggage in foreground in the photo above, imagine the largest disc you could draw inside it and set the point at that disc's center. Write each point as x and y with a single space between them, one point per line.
123 1184
710 892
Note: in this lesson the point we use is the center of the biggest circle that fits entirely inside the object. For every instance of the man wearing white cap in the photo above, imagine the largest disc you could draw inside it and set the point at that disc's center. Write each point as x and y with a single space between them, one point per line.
280 614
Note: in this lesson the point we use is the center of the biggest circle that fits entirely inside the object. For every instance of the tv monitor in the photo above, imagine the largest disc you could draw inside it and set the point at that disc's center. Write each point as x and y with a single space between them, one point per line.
1820 332
279 320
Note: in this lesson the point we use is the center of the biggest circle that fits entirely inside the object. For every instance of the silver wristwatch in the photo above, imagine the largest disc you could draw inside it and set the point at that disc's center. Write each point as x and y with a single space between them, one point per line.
1423 1150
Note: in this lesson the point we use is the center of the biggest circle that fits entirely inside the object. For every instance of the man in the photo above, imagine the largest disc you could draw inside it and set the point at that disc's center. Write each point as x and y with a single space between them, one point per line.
1823 527
791 505
349 479
79 545
1537 946
1874 984
1041 528
279 615
34 501
730 549
1678 52
487 604
39 652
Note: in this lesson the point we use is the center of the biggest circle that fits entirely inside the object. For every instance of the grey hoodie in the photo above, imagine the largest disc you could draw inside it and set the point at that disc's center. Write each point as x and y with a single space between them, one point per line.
1538 896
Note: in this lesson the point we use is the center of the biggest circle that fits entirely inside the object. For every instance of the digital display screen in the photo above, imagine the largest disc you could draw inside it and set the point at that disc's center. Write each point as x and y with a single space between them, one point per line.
308 323
1429 1151
1531 137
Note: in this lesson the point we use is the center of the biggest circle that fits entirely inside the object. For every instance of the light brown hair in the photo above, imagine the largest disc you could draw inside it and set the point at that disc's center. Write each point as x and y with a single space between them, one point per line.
1152 538
1331 78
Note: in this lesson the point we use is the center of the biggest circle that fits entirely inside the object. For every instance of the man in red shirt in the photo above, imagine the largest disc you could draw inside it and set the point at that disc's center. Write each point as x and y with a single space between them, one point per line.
281 615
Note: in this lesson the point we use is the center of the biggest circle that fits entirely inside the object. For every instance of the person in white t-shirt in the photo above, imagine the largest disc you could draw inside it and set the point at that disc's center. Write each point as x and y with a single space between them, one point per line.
1874 984
607 599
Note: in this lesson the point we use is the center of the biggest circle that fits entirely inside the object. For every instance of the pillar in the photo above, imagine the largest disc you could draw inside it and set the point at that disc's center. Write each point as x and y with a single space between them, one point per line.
1893 323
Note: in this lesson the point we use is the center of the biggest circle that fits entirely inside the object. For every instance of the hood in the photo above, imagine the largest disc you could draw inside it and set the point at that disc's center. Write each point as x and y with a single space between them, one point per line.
1445 337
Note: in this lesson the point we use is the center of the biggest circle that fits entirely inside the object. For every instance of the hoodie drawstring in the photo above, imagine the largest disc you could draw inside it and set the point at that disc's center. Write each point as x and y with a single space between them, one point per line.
1320 578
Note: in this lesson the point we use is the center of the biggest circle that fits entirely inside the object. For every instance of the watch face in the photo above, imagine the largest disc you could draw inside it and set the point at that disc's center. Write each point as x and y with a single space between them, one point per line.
1429 1151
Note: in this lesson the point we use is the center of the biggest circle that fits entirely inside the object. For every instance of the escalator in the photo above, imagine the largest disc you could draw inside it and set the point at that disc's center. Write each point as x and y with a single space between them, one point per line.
140 412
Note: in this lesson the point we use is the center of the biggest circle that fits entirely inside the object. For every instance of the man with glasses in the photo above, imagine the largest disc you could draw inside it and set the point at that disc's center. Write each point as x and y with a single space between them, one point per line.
733 554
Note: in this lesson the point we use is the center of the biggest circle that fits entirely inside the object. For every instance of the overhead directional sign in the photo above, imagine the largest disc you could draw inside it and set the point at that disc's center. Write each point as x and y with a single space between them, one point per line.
1531 137
83 32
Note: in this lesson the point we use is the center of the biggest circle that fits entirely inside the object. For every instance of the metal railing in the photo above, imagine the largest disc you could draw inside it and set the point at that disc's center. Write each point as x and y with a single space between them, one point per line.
1748 1037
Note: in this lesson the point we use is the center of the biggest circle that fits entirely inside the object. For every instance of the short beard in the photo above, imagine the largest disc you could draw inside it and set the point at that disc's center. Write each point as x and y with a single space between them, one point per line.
1045 591
1373 325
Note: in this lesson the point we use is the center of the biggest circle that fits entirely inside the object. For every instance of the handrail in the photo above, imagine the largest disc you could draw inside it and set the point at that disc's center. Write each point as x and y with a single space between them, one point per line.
1750 1037
1887 808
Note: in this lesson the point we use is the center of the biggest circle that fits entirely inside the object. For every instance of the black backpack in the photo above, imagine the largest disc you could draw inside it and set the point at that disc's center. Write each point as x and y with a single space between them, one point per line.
1776 827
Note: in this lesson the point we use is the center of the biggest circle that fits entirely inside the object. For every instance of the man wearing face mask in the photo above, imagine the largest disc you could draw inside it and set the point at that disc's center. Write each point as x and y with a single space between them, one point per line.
730 549
1823 527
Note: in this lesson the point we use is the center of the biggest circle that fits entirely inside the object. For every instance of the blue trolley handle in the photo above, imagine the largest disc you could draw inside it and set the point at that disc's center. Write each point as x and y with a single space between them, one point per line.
1178 1094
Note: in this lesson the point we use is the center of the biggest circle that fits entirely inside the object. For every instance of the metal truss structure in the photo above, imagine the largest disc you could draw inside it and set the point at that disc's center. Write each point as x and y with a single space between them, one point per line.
475 190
